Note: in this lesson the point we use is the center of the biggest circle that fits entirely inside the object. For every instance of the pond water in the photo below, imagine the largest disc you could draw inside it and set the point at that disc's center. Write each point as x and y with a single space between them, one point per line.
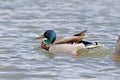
22 20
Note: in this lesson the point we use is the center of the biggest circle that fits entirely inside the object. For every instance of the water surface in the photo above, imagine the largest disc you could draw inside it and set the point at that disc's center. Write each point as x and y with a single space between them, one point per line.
22 20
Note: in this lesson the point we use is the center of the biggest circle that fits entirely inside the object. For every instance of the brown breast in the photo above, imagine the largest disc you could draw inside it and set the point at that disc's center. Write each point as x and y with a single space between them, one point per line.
45 46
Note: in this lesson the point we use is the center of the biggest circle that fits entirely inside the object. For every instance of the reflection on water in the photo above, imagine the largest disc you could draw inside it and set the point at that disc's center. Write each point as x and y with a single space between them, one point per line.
22 20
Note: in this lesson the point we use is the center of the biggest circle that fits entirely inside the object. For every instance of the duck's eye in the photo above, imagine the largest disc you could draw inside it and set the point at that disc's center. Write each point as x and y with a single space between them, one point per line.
46 34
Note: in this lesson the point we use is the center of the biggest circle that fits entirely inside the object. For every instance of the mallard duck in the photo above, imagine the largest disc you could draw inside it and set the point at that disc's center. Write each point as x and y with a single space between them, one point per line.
70 44
117 50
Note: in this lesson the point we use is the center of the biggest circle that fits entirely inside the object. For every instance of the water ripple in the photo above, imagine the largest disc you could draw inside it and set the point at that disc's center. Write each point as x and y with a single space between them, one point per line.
22 20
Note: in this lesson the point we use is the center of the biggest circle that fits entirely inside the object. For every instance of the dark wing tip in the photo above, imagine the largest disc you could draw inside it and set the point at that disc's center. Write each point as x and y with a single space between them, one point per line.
81 33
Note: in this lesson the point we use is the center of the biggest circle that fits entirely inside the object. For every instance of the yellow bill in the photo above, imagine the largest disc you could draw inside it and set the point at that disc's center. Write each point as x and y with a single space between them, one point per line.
40 37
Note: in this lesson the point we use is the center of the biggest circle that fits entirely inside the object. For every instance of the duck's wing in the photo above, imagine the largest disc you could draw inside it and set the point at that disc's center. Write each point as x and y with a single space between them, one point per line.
75 38
81 33
70 39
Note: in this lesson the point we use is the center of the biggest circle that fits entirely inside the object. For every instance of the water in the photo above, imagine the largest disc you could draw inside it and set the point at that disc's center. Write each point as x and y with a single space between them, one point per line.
22 20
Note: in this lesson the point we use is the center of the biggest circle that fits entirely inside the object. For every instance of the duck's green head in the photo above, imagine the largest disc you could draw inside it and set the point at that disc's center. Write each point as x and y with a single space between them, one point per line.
50 35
